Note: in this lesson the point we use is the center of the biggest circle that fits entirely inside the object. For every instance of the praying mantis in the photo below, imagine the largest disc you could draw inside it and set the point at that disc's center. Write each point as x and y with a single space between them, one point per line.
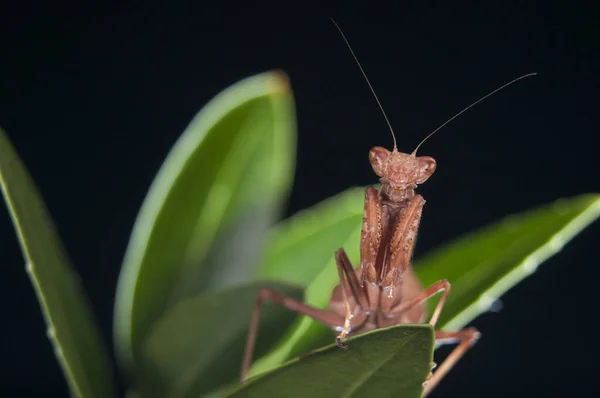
383 290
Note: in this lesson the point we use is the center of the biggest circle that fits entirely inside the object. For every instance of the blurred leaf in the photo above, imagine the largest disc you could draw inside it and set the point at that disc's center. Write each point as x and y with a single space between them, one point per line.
197 346
392 362
201 224
480 266
67 312
323 229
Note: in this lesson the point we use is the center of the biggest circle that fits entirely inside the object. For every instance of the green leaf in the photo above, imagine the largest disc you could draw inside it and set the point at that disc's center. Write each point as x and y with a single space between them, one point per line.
201 225
323 229
197 346
483 265
392 362
480 266
67 312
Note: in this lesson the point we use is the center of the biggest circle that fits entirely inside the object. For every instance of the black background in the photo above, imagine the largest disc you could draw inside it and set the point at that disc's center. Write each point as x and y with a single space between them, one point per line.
94 97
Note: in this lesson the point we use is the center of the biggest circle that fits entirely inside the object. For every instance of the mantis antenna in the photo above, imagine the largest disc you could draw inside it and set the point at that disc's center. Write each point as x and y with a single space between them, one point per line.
470 106
368 82
445 123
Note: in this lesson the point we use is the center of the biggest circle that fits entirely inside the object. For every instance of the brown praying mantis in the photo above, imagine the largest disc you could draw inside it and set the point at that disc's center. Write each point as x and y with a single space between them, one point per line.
383 291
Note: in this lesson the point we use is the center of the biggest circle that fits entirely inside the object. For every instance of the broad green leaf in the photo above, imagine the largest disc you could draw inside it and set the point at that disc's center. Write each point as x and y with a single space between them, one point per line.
392 362
67 312
323 228
201 225
480 266
483 265
197 346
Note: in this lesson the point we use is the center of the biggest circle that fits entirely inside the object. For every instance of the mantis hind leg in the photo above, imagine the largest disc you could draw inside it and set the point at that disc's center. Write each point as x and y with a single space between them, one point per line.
466 338
328 318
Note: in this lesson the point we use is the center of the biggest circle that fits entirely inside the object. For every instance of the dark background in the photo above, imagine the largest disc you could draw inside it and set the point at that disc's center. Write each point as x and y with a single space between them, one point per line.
94 97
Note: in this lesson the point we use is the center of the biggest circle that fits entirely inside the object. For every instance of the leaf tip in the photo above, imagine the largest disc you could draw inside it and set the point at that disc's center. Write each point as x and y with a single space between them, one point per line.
278 81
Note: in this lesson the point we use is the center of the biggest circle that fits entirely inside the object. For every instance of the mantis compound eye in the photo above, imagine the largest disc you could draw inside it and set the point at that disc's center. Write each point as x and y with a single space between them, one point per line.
378 156
426 168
